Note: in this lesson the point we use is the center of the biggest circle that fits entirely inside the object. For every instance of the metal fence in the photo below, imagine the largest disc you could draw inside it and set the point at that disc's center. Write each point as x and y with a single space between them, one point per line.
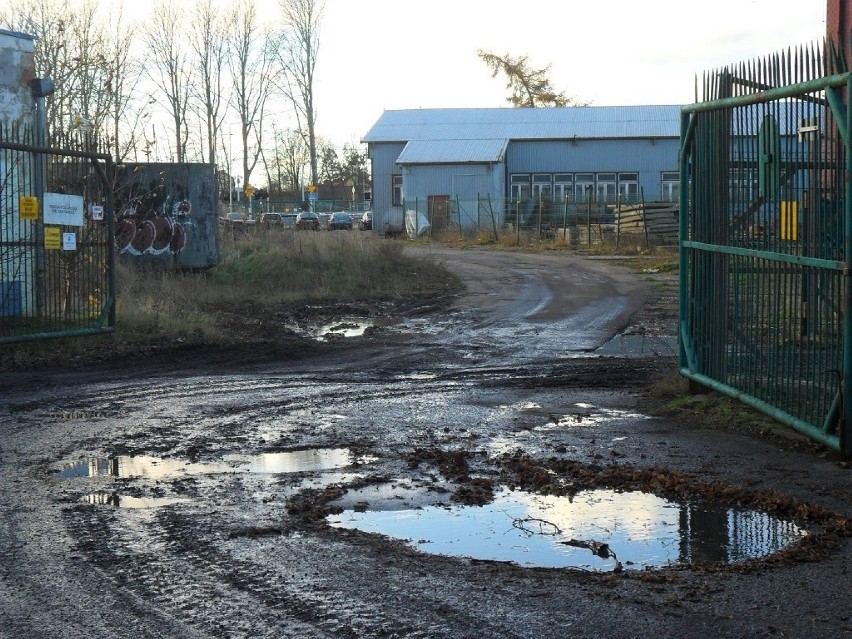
56 239
547 219
765 233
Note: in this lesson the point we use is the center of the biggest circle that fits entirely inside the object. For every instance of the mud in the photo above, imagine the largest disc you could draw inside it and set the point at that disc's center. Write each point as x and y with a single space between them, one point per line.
449 405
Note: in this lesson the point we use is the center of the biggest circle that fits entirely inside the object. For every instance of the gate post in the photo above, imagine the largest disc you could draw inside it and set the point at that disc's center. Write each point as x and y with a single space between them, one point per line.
40 88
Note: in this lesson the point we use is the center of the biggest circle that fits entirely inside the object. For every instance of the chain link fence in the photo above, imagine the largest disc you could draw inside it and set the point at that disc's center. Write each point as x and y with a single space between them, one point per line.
546 220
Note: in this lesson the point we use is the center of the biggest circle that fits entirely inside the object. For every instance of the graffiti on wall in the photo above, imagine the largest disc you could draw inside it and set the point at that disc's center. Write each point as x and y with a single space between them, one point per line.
167 213
151 219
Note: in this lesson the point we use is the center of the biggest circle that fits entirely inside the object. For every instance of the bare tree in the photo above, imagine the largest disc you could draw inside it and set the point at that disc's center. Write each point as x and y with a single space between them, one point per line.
530 87
250 64
120 86
209 43
356 168
169 67
57 55
296 53
330 168
87 55
287 172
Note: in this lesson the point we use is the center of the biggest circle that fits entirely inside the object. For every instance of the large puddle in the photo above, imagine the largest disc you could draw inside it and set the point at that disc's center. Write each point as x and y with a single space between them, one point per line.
348 327
298 461
596 530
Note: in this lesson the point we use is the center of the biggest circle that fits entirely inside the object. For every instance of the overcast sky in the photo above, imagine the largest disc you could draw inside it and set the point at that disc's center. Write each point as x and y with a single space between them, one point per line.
408 54
387 54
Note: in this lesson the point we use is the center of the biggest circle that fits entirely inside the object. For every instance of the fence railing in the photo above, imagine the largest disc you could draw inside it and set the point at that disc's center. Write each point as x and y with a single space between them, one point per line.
56 239
766 241
546 219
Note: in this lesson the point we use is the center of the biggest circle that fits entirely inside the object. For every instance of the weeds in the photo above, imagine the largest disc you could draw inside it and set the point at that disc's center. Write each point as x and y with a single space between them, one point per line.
272 269
259 280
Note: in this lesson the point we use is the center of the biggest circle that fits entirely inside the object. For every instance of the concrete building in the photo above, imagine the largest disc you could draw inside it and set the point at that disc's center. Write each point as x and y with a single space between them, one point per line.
445 161
17 108
17 68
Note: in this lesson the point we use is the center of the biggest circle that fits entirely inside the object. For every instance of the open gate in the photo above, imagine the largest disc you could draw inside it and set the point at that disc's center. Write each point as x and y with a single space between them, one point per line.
766 239
56 239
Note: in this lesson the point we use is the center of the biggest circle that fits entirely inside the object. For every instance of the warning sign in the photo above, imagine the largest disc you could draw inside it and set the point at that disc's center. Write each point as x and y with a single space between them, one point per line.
52 238
60 208
28 207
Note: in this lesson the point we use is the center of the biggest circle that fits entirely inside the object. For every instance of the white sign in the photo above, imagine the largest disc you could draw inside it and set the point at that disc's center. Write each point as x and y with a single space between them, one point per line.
97 212
69 241
63 209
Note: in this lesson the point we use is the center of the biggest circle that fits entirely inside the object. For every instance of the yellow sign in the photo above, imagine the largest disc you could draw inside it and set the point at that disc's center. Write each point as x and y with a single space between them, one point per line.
789 221
28 207
52 238
312 188
249 191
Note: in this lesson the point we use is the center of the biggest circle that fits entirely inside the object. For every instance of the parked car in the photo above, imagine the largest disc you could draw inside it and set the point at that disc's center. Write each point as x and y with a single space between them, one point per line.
307 221
234 216
366 223
271 219
339 221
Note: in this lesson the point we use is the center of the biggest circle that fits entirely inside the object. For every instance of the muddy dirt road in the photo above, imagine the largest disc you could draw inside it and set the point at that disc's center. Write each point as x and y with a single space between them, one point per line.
219 495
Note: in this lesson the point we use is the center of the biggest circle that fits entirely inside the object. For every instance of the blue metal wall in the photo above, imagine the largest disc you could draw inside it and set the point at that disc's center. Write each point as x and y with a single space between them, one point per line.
647 157
458 181
384 157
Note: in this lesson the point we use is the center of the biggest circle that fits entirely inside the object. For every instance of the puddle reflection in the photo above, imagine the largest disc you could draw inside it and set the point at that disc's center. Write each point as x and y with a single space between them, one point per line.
588 415
641 529
351 327
124 501
298 461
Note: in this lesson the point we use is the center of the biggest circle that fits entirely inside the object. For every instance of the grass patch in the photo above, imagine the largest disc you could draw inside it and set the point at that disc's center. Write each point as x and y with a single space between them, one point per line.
270 270
259 280
315 267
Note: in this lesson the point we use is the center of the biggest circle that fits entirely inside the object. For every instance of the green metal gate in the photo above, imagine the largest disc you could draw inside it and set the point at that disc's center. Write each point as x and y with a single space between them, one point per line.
765 239
56 239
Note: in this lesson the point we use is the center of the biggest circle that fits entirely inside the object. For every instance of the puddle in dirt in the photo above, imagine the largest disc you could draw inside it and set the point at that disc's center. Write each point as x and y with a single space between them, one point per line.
596 530
582 414
124 501
639 345
350 327
297 461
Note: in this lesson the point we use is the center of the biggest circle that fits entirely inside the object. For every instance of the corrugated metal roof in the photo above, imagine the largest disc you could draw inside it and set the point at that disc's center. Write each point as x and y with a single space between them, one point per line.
527 124
453 151
18 34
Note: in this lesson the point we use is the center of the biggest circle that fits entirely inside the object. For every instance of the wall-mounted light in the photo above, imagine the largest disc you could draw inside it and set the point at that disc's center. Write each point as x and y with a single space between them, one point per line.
41 87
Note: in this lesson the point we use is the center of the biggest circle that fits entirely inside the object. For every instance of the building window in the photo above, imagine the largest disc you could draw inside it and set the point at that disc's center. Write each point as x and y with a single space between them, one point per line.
670 186
563 187
606 187
628 187
520 184
584 187
396 190
742 187
542 186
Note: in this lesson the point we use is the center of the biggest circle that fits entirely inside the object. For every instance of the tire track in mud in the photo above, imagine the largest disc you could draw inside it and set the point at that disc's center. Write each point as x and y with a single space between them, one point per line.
398 390
169 563
289 587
